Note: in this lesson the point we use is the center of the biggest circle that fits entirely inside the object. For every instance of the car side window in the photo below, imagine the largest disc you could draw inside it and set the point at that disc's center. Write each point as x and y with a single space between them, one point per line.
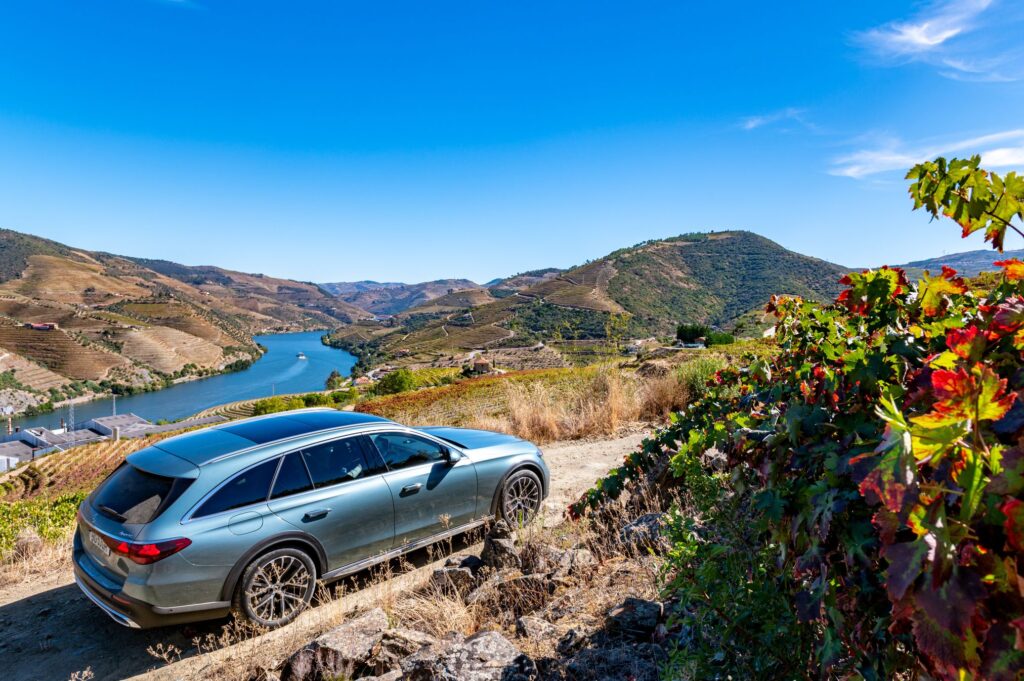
248 487
402 450
292 477
334 462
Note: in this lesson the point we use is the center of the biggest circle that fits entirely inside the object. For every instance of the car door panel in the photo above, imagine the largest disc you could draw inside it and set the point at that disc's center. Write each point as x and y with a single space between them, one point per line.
429 496
350 510
358 523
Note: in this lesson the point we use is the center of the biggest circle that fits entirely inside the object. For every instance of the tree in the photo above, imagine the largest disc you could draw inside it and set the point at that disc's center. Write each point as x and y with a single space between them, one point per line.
689 333
397 381
616 327
334 381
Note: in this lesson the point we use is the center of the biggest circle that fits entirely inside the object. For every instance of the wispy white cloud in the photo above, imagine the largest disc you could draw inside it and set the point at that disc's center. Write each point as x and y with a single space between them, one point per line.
1003 149
963 39
935 25
787 115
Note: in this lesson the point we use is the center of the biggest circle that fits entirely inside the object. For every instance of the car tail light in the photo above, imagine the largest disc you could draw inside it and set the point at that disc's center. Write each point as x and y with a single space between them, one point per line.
145 553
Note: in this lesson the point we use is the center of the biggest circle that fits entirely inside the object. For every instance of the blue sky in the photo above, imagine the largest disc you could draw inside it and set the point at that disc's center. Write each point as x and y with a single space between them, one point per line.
335 140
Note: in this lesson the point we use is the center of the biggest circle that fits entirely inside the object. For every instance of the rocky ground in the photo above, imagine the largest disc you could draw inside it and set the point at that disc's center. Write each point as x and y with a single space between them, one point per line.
530 610
48 630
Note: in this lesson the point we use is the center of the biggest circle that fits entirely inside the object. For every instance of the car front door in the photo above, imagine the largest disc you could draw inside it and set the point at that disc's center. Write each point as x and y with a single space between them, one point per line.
331 491
431 493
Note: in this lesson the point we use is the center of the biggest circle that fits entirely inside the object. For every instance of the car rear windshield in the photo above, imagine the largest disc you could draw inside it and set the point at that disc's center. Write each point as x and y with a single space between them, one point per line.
133 496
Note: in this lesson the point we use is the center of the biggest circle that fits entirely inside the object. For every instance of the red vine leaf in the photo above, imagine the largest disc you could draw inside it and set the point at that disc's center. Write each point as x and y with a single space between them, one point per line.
1012 268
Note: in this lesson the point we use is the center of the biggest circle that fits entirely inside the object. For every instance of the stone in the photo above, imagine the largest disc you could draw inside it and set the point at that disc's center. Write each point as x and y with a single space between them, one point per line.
457 580
484 656
342 651
472 563
635 617
646 533
501 530
500 553
531 627
396 645
27 543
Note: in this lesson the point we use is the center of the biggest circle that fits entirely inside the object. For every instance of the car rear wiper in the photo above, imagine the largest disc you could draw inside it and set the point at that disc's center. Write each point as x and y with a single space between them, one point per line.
112 513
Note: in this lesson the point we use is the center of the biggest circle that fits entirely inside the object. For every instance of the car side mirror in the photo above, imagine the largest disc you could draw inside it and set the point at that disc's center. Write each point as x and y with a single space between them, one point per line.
452 456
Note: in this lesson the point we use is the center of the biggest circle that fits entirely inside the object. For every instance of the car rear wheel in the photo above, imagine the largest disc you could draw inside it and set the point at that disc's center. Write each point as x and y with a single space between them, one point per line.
276 587
520 498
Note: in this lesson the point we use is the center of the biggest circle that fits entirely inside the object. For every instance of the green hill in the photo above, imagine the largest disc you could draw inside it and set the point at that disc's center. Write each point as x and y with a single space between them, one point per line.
712 278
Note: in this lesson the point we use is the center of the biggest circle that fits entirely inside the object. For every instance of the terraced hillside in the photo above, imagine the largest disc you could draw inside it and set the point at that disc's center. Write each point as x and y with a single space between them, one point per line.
75 470
710 278
135 322
269 301
61 354
451 302
28 373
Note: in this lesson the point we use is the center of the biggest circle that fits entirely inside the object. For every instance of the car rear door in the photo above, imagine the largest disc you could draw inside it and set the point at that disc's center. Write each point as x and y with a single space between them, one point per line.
430 493
331 491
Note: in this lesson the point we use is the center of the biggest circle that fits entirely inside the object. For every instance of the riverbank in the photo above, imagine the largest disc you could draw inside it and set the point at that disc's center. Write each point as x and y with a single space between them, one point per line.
278 370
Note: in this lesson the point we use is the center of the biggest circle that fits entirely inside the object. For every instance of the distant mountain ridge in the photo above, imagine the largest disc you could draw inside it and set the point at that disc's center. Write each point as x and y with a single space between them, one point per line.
969 263
393 298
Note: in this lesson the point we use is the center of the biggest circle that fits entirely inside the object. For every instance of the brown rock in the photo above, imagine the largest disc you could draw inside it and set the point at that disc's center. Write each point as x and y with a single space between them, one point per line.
341 651
535 627
458 580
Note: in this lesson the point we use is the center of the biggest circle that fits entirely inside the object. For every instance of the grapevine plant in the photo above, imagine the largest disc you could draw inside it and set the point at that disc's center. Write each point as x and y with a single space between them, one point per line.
882 452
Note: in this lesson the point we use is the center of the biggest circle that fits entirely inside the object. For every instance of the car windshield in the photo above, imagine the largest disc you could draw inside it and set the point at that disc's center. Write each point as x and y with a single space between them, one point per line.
133 496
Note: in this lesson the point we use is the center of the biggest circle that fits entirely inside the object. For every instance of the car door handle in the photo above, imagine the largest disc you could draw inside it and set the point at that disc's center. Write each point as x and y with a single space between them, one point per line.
411 489
316 514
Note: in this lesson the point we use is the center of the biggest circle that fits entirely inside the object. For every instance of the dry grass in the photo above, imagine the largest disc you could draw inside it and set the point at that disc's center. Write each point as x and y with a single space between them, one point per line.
51 558
594 403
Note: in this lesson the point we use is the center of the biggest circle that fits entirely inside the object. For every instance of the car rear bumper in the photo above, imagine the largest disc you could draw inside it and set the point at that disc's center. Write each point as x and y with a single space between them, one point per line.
135 614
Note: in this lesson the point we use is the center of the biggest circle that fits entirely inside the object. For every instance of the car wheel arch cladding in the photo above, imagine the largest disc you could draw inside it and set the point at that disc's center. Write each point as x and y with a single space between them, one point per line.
524 466
297 540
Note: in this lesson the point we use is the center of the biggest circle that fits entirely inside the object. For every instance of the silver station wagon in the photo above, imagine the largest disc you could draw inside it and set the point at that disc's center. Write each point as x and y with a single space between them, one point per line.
248 516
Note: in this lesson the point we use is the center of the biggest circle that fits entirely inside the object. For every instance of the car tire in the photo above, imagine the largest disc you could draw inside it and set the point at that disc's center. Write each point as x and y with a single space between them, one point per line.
275 587
520 498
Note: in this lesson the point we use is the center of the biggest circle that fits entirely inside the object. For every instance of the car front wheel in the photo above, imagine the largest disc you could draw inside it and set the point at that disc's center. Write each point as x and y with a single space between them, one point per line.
276 587
520 498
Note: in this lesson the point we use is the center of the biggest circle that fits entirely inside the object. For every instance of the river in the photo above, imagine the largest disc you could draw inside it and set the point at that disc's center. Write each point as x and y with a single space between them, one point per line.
278 371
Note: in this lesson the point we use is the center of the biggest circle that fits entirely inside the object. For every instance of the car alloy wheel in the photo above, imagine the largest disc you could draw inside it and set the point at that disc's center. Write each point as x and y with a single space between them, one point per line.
521 498
277 587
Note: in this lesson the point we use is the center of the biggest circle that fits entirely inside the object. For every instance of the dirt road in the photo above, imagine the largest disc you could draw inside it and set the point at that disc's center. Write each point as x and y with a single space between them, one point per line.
48 630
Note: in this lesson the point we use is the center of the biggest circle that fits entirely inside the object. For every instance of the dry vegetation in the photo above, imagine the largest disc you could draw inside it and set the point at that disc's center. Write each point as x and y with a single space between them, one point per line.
552 404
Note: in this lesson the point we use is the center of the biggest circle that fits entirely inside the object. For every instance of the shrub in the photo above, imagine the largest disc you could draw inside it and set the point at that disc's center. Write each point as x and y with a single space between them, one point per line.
718 338
875 468
398 381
